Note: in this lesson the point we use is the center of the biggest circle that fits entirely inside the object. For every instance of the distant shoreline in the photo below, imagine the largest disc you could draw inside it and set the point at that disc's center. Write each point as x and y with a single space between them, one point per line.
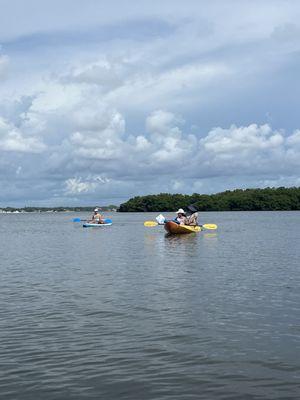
23 210
135 212
268 199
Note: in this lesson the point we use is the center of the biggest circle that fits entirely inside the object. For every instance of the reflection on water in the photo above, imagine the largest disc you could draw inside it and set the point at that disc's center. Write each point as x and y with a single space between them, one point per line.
210 235
180 244
170 245
180 237
150 237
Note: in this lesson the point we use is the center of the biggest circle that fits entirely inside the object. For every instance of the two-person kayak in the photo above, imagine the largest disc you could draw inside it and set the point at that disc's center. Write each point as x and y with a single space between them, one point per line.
174 228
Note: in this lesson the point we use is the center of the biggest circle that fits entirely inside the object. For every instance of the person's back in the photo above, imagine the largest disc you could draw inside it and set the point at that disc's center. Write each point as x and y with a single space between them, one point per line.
192 220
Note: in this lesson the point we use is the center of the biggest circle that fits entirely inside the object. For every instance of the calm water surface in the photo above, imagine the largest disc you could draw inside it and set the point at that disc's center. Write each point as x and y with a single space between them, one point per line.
126 312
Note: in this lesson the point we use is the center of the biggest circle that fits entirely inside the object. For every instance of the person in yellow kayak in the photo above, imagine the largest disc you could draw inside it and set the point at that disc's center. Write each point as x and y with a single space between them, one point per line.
183 219
97 217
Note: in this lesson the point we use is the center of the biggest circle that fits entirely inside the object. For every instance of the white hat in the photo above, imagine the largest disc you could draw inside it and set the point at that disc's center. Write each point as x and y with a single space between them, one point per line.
180 211
96 209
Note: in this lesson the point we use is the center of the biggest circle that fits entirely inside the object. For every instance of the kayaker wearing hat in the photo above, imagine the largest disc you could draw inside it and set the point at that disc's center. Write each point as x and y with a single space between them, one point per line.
97 217
181 217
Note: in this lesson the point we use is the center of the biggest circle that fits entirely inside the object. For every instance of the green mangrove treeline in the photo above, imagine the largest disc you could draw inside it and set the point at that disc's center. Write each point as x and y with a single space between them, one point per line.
236 200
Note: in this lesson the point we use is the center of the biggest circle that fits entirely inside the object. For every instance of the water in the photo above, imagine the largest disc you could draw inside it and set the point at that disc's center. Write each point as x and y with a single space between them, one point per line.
125 312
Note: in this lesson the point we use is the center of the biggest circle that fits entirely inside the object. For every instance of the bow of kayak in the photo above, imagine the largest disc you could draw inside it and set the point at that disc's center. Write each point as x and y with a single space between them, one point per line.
174 228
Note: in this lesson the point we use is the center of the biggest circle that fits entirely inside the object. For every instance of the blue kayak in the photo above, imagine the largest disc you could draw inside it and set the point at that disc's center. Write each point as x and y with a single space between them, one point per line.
107 222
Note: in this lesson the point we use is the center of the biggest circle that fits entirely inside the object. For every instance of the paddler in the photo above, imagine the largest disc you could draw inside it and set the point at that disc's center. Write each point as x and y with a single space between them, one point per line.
97 217
193 215
181 217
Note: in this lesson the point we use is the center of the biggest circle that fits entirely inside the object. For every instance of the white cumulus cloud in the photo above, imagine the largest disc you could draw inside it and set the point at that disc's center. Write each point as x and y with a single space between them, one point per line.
12 139
77 186
4 62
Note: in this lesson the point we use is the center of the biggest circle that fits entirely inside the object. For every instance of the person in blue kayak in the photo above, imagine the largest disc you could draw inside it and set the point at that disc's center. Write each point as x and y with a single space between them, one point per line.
97 217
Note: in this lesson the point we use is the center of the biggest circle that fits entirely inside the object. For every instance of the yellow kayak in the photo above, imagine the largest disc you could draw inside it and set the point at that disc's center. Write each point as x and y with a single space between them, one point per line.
172 227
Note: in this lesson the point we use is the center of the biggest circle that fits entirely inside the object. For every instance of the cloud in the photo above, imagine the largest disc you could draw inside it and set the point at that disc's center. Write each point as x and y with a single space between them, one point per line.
95 153
294 139
161 123
246 150
178 85
12 140
102 73
239 139
77 186
4 63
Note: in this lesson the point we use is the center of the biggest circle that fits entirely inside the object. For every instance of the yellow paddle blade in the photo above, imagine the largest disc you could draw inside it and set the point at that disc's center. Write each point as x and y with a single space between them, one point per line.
210 226
150 223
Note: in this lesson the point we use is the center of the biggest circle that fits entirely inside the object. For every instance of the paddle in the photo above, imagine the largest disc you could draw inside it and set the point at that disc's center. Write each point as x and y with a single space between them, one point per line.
205 226
192 209
150 223
209 226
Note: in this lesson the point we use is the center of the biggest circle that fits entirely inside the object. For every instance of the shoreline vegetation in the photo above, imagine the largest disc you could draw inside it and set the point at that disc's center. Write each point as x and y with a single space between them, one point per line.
268 199
16 210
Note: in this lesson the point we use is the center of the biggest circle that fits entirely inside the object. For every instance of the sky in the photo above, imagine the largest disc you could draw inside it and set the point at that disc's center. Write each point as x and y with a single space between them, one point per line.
101 101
